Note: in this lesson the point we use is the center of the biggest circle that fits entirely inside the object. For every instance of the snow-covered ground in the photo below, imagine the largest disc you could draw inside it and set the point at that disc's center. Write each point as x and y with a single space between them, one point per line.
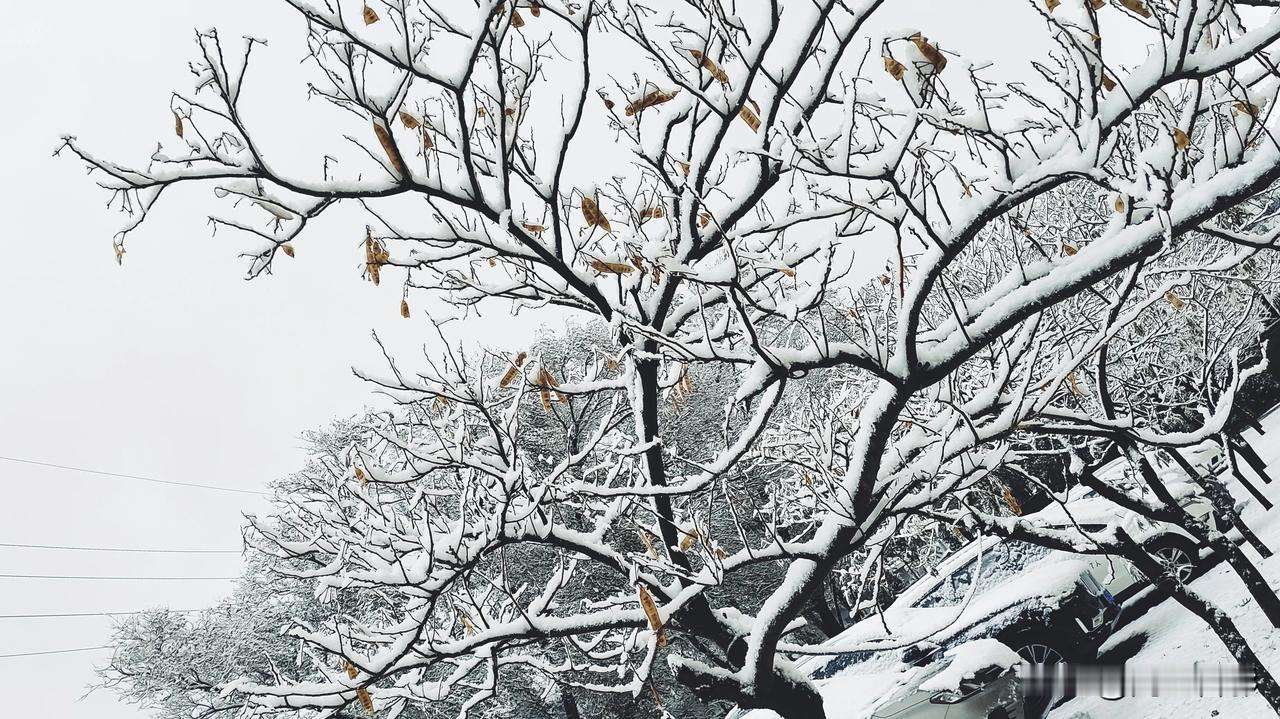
1172 637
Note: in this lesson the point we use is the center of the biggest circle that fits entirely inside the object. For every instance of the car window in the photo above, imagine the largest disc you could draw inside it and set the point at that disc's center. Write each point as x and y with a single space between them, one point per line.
997 564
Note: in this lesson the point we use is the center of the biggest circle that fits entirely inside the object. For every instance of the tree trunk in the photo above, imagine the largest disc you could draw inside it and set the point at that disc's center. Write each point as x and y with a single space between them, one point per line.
1218 621
1224 508
789 699
1253 580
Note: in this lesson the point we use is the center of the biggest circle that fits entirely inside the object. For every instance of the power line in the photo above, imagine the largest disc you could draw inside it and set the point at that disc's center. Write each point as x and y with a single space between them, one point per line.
55 651
90 614
120 549
133 476
129 579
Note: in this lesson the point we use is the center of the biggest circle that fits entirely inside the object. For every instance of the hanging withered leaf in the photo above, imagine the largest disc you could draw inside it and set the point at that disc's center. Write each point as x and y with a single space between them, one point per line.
1118 203
612 268
688 539
611 363
1097 4
1137 7
404 309
466 624
684 167
427 144
1243 108
1011 501
535 9
287 249
711 66
481 112
787 271
748 116
1175 300
546 382
513 370
389 146
516 20
931 53
650 213
361 477
1075 386
119 253
409 121
370 17
177 123
592 214
535 229
1051 4
648 543
375 256
1107 83
651 611
1180 140
893 67
704 219
1069 249
657 97
637 262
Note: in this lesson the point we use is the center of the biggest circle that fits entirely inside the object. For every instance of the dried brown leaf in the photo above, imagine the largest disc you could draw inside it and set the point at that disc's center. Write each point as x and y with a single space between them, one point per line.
177 124
1107 83
613 268
516 20
536 229
1137 7
711 66
389 147
1051 4
1069 249
1118 204
287 249
1180 139
749 117
370 17
648 543
651 611
688 539
893 67
404 309
592 214
931 53
1011 501
657 97
1175 300
409 121
1240 108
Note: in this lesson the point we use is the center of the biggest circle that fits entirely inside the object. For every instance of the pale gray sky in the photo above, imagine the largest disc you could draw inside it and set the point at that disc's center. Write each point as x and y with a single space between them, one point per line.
171 366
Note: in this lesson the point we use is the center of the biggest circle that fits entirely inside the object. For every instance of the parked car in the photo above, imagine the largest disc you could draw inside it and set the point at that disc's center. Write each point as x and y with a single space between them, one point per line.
1086 512
1046 606
974 680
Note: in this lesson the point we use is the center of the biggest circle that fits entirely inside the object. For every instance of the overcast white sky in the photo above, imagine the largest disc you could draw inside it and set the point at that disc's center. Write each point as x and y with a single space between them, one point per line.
171 366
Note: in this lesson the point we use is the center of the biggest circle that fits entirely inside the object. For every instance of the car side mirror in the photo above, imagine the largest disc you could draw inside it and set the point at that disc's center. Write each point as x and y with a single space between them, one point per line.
947 697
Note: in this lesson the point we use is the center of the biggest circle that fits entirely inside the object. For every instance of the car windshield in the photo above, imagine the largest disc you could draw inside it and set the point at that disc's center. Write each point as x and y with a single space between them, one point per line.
997 563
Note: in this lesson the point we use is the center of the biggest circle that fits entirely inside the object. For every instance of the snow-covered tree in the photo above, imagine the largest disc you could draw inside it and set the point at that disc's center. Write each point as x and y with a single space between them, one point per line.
802 207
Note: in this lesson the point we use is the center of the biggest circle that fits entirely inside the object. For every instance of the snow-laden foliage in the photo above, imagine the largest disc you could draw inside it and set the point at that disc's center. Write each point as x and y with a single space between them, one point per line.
877 263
